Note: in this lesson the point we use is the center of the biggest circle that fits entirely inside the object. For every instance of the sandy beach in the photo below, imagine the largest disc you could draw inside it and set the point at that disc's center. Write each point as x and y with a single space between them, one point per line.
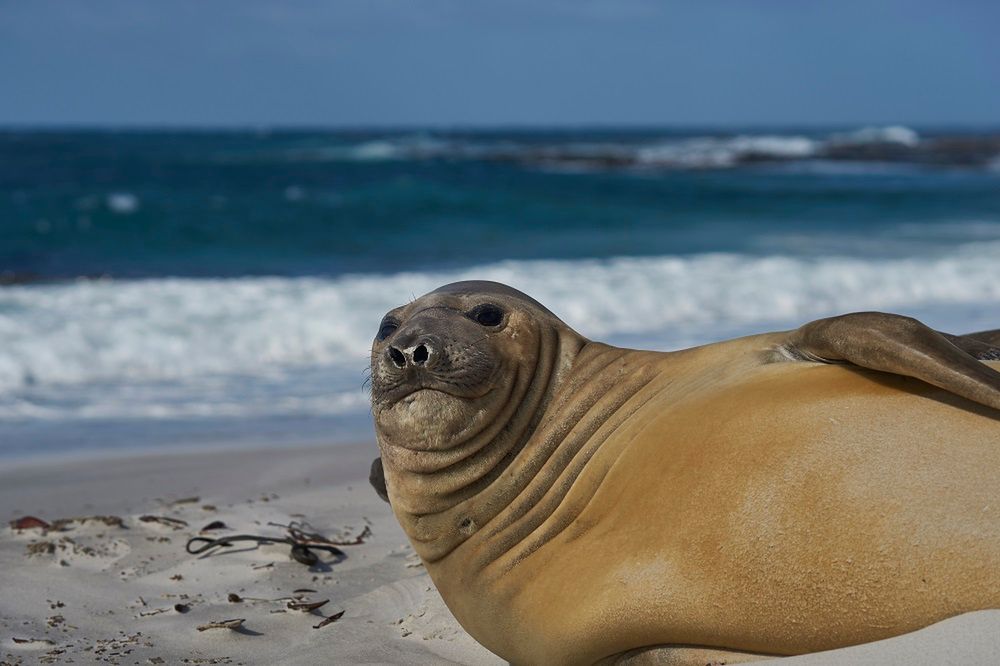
109 580
126 592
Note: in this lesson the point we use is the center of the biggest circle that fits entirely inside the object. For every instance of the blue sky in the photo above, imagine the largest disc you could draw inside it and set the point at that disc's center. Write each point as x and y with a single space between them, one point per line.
473 62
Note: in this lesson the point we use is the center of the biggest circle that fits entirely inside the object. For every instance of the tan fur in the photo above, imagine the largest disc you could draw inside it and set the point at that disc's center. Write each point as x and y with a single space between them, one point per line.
719 498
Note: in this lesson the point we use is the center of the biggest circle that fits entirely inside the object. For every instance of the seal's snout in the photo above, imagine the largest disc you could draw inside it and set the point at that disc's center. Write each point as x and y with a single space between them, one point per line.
422 354
396 357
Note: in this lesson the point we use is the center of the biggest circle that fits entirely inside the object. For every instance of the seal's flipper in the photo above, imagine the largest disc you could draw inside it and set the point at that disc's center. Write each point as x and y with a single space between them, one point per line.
901 345
977 347
376 477
989 337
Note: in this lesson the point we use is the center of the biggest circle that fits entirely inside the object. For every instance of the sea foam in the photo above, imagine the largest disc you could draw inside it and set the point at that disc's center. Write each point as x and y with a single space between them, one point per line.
201 347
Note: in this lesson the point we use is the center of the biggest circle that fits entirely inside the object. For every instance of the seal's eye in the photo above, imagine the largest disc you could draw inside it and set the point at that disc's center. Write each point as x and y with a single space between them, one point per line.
486 314
387 328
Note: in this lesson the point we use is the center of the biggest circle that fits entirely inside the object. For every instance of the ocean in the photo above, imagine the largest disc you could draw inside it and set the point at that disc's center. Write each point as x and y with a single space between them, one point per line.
170 289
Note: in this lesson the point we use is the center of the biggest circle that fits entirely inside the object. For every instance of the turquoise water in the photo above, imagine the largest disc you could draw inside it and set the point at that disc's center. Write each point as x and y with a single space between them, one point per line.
172 287
236 204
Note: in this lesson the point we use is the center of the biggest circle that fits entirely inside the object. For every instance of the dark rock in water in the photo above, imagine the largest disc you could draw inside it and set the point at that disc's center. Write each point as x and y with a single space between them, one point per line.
965 151
870 152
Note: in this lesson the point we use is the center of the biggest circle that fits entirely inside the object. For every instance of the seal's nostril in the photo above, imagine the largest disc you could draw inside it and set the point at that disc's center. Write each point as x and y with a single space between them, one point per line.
420 355
397 357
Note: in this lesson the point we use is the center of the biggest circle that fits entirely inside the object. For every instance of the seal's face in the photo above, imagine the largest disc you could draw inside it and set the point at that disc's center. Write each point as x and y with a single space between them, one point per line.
442 365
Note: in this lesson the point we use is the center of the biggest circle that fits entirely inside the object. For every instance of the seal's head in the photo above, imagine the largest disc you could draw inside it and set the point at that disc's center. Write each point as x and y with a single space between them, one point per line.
451 369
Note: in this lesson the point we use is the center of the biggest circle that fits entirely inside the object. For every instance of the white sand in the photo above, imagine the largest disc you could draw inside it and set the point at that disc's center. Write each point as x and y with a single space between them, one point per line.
107 594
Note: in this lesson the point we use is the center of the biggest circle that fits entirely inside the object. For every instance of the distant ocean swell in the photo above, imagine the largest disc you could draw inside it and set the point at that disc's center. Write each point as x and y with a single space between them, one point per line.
168 348
894 143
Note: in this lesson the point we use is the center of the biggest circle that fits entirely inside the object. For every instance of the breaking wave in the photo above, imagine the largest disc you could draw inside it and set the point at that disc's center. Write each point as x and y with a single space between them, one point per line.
166 348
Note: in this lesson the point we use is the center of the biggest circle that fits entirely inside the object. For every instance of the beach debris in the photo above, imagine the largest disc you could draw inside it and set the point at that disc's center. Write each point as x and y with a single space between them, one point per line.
155 611
32 641
302 554
110 521
234 598
303 590
185 500
306 606
156 660
177 577
302 531
172 523
360 539
40 548
67 549
266 600
182 608
112 650
28 523
223 624
303 542
214 525
330 620
62 524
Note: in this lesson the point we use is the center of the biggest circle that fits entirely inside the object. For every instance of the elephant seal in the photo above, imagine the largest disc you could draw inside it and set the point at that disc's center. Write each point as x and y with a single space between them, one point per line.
778 494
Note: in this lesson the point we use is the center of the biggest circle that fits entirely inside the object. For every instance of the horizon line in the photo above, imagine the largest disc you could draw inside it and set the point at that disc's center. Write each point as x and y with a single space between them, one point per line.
362 128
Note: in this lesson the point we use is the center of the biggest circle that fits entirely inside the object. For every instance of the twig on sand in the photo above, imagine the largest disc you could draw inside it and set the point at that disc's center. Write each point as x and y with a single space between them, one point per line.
223 624
173 523
330 620
183 500
307 606
26 641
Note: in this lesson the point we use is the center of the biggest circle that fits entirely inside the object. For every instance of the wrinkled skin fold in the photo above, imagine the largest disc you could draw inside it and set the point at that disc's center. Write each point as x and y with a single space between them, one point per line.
784 493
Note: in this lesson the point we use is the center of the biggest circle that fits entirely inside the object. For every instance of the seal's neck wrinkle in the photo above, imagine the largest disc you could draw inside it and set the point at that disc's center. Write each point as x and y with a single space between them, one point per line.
503 510
603 392
442 503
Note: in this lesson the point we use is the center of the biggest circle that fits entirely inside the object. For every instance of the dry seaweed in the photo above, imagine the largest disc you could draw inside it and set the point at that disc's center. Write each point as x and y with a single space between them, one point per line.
301 531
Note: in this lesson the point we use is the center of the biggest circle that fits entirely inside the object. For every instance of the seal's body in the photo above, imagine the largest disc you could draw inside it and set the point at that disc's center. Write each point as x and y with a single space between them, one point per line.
574 501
